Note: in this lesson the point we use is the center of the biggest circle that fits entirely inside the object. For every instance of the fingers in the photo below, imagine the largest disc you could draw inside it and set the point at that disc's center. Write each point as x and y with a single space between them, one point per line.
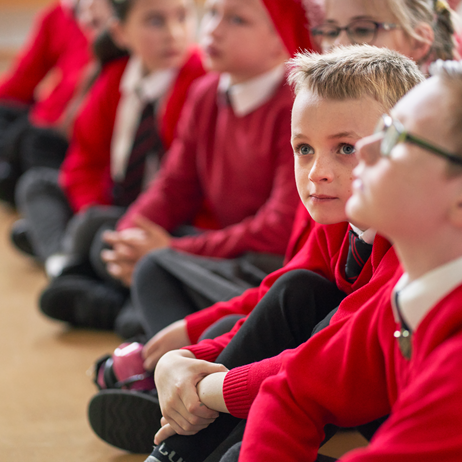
165 432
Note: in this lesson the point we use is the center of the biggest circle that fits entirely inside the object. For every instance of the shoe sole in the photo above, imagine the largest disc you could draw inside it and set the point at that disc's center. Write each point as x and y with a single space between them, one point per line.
125 419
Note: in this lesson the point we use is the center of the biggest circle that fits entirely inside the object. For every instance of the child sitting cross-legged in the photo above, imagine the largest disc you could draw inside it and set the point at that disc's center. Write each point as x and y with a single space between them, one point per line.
225 189
126 123
339 96
401 352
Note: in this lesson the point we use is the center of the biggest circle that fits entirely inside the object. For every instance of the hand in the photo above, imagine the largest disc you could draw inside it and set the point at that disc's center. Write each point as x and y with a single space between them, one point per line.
176 376
130 245
165 432
173 337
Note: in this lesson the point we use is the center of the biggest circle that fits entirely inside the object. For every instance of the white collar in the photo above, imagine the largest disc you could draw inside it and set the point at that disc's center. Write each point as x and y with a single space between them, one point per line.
367 236
147 87
417 298
247 96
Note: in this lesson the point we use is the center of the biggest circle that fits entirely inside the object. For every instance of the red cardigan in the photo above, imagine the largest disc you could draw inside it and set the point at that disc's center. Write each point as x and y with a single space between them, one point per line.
85 174
352 373
325 253
240 167
58 45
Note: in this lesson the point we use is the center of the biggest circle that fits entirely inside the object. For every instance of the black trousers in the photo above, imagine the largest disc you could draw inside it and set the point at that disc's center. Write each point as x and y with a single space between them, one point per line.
169 285
283 319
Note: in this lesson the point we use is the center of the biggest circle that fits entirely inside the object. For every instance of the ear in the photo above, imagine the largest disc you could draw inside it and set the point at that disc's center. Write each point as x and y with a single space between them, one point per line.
116 29
421 47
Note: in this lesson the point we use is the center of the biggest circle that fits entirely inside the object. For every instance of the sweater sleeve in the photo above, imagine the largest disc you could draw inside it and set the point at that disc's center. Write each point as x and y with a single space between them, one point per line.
426 420
85 175
338 377
269 229
36 58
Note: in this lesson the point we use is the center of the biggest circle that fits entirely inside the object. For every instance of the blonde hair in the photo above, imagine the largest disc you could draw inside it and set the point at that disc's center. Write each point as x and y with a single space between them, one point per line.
354 72
436 13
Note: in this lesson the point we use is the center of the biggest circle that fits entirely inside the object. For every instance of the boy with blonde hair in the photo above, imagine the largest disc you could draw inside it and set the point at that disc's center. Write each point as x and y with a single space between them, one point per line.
401 352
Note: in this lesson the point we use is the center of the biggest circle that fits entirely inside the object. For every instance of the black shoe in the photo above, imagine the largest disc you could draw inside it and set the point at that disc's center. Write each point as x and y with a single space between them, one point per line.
125 419
20 239
82 302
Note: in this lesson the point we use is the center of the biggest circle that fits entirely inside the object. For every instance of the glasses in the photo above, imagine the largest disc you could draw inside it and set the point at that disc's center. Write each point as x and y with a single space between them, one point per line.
360 31
394 133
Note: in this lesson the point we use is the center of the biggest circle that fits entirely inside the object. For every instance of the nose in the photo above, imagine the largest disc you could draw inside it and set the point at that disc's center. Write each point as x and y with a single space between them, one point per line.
343 39
321 170
368 149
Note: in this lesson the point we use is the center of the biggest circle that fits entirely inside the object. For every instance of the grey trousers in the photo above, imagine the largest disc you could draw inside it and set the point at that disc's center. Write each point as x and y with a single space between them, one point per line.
169 285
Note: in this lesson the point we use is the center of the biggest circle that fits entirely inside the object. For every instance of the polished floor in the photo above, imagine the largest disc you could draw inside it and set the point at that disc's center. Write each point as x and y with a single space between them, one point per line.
44 380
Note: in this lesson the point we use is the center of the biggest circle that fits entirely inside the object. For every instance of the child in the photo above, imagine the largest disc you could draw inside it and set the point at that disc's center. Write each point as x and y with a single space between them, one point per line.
218 154
338 97
58 49
400 353
115 138
416 18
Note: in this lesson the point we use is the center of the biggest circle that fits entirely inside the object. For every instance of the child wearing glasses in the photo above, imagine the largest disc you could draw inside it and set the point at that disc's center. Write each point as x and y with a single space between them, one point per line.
420 29
401 352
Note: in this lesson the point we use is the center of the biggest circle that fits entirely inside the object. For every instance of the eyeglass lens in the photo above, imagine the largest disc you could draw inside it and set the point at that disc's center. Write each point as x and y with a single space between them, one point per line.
359 32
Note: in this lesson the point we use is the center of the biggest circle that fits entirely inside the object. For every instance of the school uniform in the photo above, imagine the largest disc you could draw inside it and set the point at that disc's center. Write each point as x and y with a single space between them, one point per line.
98 155
56 44
282 320
324 253
362 357
58 50
231 166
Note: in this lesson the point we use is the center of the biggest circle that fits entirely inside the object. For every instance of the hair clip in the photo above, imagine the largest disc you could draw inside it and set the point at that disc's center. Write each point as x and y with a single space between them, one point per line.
441 6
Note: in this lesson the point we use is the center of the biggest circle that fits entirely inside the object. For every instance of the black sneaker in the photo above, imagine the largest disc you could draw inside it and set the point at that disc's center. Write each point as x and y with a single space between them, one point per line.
126 419
82 302
19 237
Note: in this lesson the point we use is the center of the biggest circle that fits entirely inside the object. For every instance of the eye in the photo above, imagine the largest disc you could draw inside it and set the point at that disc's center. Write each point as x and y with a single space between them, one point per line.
156 20
304 150
235 19
347 149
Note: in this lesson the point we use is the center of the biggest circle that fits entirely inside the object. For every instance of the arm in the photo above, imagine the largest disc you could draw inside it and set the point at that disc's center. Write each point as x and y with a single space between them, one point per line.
177 375
85 173
36 58
338 376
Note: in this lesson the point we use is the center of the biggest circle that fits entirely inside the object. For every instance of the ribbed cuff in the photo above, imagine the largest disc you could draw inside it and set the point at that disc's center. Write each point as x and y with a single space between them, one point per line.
236 392
203 350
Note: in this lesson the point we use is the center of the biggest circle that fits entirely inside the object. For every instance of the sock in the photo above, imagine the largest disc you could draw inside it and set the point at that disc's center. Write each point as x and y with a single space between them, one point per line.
162 453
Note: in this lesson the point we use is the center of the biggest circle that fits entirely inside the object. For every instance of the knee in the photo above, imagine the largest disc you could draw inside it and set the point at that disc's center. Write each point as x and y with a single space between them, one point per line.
146 269
35 182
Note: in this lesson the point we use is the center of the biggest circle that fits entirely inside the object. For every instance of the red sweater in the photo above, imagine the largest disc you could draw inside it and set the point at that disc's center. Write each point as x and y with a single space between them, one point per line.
353 372
240 167
85 174
325 253
57 44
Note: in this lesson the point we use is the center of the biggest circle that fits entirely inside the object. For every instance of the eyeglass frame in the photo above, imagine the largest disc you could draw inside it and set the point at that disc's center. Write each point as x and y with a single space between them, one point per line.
406 137
387 26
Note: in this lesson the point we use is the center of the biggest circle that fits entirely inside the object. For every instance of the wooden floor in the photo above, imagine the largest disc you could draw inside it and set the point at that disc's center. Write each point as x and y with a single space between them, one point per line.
44 384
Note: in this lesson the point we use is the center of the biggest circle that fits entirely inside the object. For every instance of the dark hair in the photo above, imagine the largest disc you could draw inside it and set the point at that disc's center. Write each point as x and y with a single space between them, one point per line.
122 8
105 49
